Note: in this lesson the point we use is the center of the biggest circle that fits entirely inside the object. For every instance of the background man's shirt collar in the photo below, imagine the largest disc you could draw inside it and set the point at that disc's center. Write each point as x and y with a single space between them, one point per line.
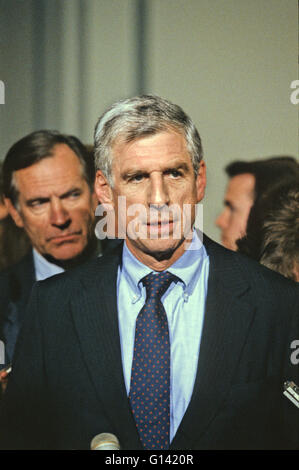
43 268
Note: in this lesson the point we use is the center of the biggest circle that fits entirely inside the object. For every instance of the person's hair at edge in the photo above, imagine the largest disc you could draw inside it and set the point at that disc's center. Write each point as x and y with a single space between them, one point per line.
35 147
273 229
1 184
138 117
14 242
267 172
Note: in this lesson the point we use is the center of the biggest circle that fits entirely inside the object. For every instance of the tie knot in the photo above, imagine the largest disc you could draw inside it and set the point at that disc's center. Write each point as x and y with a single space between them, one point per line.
157 284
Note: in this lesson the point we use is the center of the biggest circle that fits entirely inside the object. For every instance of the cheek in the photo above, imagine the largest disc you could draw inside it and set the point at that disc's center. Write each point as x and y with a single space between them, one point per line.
123 198
36 224
133 194
237 223
37 232
243 216
83 217
183 195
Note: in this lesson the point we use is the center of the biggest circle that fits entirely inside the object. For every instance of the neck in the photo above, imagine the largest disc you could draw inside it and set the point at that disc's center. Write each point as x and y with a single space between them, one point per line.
159 261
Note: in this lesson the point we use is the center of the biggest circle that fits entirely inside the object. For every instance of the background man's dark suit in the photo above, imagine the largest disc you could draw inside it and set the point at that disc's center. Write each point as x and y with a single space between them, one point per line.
15 287
67 382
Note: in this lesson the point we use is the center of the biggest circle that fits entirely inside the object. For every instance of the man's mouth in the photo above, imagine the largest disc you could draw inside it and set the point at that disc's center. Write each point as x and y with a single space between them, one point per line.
65 238
160 222
160 226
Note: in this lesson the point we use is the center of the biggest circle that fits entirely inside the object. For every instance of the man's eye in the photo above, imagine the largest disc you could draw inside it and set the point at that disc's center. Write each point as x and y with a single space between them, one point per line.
38 203
75 194
175 173
71 195
137 178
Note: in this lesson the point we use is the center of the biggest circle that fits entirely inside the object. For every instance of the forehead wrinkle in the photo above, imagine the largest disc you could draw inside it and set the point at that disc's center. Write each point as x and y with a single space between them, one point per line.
46 189
43 180
176 163
145 140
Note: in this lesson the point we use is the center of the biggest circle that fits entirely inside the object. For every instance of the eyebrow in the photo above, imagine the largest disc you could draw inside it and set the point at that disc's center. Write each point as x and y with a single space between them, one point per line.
179 166
132 172
46 199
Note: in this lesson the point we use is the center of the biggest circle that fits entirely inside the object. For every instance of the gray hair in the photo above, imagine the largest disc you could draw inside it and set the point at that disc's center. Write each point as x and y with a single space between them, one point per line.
138 117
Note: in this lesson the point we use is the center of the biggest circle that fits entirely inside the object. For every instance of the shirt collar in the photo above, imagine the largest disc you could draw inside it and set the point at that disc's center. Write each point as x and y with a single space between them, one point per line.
134 271
188 267
43 268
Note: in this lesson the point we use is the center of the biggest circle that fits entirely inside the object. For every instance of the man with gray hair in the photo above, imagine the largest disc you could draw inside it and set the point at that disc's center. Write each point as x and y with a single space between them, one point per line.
169 342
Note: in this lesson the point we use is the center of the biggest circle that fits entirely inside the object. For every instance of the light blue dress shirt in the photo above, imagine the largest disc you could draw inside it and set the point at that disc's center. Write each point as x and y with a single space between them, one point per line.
184 304
43 268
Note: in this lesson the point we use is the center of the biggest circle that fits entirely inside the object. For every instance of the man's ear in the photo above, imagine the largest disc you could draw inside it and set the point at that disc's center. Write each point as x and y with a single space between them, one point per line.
103 189
201 181
94 201
14 213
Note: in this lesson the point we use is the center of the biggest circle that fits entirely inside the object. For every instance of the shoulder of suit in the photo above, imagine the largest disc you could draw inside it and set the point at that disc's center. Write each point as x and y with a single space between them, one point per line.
15 275
25 263
231 264
94 268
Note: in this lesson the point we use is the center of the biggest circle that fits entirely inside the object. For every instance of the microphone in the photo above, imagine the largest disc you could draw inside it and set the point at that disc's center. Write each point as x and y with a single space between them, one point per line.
105 441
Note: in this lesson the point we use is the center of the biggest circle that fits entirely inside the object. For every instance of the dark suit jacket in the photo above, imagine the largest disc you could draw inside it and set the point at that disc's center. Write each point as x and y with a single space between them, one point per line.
15 287
67 381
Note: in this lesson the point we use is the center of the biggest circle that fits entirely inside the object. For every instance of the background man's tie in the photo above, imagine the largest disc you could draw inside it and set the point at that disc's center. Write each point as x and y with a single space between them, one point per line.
150 376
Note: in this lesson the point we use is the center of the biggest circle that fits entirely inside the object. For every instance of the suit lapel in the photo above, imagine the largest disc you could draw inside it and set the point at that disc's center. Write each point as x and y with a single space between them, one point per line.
95 316
228 316
25 278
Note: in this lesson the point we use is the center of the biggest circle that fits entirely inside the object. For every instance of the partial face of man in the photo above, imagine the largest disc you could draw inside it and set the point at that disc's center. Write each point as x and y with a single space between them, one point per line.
237 204
156 173
296 271
3 210
55 205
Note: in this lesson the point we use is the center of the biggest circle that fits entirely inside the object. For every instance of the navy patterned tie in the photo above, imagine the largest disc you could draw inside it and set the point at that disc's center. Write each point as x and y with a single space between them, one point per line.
150 377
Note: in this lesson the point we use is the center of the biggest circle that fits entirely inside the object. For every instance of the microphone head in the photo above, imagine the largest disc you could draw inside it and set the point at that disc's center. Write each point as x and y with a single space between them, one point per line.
105 441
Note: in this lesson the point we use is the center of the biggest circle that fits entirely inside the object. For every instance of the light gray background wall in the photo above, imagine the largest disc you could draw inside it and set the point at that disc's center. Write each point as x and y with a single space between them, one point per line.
228 63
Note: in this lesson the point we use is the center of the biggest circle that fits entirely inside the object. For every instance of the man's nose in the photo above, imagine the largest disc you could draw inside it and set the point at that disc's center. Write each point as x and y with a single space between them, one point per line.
158 191
59 215
221 220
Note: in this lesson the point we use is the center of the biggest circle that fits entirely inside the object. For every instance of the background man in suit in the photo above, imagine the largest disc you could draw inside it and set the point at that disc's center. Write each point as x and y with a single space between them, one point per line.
48 181
248 181
272 235
163 346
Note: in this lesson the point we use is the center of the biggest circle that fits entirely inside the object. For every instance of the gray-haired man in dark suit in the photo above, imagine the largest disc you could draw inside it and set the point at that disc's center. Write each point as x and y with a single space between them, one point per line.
169 342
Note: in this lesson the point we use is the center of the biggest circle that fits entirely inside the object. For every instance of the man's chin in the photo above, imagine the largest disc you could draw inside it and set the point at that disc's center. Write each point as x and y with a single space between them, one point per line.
229 244
66 254
158 249
69 255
